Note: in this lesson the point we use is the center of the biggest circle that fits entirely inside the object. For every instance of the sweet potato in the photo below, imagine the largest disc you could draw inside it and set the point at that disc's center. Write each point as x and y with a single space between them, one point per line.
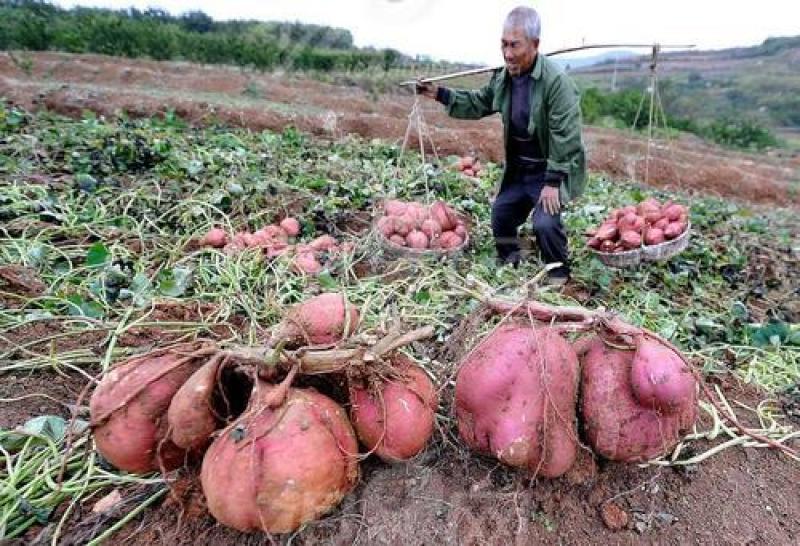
439 212
660 379
673 230
320 320
395 420
653 236
627 222
129 406
417 239
468 172
306 262
213 394
607 246
398 239
215 237
661 224
291 226
616 424
324 243
515 399
393 207
461 230
594 243
402 225
450 239
431 228
385 225
630 239
607 232
673 212
275 468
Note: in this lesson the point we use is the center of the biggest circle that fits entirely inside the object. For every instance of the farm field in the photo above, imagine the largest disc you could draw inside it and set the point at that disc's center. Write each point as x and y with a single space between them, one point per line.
70 84
101 218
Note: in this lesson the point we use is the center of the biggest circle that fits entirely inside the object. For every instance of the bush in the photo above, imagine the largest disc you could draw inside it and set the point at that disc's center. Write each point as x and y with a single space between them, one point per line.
34 25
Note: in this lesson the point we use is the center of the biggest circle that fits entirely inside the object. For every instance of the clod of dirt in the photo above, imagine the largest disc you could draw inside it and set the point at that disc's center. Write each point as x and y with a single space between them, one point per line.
614 517
107 503
23 278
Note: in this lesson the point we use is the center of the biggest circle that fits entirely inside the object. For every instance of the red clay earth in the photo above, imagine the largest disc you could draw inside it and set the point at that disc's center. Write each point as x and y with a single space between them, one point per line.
70 84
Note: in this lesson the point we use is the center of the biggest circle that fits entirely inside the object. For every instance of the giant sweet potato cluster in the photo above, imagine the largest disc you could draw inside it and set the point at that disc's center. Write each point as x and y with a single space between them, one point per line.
274 455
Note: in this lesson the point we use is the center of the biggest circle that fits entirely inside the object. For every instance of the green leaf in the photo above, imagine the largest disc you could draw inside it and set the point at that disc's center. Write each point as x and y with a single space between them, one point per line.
773 333
327 281
422 296
739 310
97 255
173 283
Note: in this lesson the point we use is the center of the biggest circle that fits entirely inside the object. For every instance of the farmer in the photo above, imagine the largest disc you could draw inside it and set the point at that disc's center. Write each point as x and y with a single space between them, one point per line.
545 162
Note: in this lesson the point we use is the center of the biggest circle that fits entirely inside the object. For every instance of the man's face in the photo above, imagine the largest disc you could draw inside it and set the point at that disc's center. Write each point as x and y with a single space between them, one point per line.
518 50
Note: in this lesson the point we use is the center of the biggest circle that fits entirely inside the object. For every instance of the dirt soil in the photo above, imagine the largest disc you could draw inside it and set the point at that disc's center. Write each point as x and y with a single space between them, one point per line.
70 84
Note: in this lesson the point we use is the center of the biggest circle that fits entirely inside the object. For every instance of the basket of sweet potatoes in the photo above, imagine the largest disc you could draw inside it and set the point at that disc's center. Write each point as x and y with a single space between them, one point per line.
649 231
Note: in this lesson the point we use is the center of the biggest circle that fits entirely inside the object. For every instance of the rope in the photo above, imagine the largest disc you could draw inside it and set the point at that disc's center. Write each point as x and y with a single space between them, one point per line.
416 120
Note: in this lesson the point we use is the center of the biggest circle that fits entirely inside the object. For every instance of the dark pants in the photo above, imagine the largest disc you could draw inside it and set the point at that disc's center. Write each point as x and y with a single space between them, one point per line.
517 198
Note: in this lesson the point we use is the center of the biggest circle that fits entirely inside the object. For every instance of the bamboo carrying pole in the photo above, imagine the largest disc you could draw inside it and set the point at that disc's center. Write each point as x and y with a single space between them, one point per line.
474 71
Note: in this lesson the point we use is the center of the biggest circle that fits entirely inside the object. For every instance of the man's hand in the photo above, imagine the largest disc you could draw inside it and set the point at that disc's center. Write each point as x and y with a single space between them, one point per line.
549 200
427 89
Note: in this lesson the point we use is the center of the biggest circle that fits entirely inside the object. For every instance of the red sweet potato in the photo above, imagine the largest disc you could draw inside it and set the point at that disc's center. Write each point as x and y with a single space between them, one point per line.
674 230
129 409
320 320
450 239
212 395
291 226
396 420
306 262
673 212
660 379
274 469
631 239
324 243
215 237
607 232
616 424
431 228
653 236
516 396
398 239
416 239
394 207
440 212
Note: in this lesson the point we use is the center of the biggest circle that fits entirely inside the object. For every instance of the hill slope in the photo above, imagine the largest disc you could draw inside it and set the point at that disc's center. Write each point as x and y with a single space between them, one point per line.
759 83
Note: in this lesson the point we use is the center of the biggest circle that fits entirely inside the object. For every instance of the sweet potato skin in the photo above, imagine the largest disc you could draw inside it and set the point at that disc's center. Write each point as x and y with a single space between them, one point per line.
277 468
134 437
516 396
660 379
320 320
398 421
617 426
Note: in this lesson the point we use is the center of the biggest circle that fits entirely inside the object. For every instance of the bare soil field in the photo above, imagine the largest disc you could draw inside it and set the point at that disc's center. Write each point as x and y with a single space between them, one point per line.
71 84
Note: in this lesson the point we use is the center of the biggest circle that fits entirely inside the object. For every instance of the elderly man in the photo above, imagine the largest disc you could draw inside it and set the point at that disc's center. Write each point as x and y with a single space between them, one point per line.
545 160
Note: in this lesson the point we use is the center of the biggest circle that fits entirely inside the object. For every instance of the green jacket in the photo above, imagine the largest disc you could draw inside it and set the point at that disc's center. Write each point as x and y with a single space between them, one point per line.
555 116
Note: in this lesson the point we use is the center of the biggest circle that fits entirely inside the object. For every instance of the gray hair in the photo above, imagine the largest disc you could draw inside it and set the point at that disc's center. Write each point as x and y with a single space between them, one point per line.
525 18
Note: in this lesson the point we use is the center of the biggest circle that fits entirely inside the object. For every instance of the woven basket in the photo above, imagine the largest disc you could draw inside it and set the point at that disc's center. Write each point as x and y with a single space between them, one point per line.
619 259
667 249
396 251
645 253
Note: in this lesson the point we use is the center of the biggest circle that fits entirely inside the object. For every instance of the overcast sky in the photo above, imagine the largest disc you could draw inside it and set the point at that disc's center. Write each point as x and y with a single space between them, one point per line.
469 30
